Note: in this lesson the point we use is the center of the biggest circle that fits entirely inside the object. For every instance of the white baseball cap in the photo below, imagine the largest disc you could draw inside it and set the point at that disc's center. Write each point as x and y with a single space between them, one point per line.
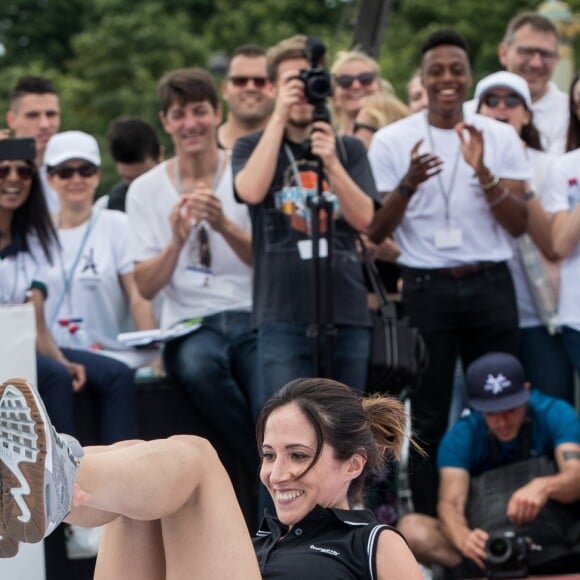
71 145
504 80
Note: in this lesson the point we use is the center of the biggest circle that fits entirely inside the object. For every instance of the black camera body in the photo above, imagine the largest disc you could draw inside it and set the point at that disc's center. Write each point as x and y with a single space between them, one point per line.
507 555
317 84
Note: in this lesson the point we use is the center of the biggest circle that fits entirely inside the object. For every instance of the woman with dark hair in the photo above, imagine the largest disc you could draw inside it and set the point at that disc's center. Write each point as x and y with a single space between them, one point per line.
573 135
28 243
171 510
27 240
535 267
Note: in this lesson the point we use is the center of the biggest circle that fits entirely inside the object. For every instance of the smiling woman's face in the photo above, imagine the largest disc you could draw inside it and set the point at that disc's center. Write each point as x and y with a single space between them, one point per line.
288 450
498 103
15 183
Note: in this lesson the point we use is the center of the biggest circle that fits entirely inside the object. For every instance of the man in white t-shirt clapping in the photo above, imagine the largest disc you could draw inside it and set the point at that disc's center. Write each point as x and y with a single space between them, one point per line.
191 242
452 190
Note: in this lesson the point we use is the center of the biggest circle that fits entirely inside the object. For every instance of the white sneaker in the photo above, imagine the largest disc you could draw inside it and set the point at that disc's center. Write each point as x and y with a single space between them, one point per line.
38 467
82 542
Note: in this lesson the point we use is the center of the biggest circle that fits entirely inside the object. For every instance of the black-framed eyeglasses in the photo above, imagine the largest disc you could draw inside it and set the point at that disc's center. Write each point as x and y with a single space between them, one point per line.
66 172
356 126
530 51
346 81
242 81
24 172
511 101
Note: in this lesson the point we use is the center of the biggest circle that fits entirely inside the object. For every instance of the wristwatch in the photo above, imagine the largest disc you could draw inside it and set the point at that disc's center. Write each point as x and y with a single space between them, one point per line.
405 190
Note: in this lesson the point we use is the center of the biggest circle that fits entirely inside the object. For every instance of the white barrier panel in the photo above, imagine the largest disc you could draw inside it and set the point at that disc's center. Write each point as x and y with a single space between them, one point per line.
17 359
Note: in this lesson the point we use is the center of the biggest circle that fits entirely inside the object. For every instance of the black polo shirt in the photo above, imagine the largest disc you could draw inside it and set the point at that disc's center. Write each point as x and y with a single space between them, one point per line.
327 544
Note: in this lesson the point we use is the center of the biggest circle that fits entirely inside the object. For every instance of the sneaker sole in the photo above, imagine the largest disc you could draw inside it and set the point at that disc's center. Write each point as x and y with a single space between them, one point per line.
25 451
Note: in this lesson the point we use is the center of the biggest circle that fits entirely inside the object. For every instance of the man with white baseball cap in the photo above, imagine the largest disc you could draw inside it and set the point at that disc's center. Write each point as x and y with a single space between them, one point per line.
497 475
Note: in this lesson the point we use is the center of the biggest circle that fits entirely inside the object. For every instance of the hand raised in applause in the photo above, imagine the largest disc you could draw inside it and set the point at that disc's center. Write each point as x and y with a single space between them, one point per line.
423 167
206 206
472 147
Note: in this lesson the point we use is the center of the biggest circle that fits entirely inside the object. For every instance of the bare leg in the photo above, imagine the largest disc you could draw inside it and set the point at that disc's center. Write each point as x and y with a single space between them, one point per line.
131 550
89 517
427 541
180 481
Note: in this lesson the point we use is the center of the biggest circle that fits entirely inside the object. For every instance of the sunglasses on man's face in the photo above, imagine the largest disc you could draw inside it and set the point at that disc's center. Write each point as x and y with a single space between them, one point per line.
24 172
346 81
239 81
492 100
86 170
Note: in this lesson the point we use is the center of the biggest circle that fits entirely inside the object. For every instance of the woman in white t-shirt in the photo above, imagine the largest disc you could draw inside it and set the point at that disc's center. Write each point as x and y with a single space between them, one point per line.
535 267
27 246
93 291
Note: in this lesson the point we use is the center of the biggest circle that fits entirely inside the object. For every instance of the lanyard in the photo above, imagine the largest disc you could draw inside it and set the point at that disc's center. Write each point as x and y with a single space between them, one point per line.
445 192
67 278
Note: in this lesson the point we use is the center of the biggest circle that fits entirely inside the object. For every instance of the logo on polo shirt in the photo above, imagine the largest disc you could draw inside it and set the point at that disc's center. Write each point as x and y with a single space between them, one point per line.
496 384
324 550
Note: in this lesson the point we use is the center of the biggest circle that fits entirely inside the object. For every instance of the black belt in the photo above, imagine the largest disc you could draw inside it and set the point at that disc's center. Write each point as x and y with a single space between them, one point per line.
463 271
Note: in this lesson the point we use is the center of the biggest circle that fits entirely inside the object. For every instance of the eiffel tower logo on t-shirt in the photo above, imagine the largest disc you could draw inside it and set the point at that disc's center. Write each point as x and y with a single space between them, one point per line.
90 263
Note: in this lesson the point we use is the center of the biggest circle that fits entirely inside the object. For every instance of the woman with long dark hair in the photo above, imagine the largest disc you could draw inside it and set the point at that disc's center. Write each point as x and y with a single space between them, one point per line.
28 244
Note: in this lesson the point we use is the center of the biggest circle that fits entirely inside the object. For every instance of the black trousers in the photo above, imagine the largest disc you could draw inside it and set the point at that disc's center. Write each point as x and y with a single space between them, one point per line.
465 316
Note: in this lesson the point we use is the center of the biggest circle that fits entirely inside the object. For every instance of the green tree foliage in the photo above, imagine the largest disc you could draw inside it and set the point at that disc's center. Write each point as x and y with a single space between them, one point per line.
106 56
481 22
39 30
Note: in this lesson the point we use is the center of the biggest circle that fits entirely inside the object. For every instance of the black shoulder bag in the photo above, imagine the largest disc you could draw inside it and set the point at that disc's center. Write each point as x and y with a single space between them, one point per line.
399 355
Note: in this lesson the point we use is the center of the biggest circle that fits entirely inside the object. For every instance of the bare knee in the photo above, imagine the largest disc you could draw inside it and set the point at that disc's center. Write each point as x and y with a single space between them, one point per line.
427 541
418 530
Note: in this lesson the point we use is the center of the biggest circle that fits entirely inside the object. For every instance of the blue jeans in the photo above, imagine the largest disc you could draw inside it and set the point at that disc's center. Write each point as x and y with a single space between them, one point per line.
112 380
546 362
285 353
216 365
468 317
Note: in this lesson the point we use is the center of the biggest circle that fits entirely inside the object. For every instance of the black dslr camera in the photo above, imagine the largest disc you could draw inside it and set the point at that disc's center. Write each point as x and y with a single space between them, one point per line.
317 80
507 555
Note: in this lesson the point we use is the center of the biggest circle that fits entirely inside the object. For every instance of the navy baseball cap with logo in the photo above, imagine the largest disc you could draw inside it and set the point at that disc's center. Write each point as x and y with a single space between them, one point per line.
496 383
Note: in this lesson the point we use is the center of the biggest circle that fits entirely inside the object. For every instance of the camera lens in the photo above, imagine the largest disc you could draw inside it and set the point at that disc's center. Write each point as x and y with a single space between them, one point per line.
498 550
319 87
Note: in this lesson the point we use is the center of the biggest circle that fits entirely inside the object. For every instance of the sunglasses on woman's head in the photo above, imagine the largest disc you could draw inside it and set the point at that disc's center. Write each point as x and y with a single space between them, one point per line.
86 170
346 81
511 101
24 172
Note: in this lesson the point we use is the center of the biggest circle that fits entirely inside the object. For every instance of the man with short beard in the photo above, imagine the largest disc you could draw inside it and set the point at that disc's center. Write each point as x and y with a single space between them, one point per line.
275 177
248 93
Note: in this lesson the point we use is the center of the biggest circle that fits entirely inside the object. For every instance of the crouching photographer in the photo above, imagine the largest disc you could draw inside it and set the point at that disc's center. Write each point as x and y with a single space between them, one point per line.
509 482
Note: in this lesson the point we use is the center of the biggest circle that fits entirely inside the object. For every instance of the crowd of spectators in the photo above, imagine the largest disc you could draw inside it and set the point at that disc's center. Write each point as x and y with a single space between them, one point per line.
247 236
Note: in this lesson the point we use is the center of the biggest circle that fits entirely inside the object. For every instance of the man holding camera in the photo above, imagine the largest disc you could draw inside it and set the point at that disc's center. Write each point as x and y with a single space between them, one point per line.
499 485
276 175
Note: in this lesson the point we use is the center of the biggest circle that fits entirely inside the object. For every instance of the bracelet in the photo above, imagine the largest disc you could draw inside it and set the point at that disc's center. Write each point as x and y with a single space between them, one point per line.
494 181
529 195
501 198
